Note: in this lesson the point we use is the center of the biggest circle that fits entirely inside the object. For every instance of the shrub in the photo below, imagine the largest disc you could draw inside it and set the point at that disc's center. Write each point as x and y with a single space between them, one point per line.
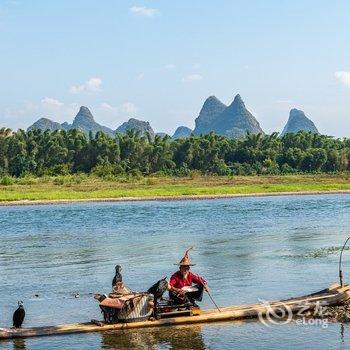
287 169
182 171
27 180
160 173
194 174
7 181
118 169
79 178
149 181
103 170
108 170
59 169
136 174
59 180
243 169
220 168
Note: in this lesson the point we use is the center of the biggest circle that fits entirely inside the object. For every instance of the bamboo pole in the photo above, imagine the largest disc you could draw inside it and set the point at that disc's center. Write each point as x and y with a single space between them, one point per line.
334 296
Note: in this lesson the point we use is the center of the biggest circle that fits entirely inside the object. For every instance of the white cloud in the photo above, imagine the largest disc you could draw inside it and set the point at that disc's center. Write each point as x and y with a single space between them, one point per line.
92 85
24 115
125 108
56 109
53 107
51 102
140 76
143 11
128 107
192 77
196 66
343 77
114 115
107 107
169 66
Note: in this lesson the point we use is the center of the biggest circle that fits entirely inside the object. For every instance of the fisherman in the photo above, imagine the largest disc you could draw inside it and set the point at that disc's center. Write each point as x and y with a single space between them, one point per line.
185 278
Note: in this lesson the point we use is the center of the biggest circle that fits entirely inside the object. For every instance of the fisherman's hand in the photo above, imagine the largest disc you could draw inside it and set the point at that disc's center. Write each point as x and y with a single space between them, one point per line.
206 288
182 292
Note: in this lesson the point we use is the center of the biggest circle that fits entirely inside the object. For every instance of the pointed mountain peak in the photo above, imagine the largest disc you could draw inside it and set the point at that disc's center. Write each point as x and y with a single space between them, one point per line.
212 98
236 120
298 121
211 108
84 113
238 101
296 113
212 101
85 122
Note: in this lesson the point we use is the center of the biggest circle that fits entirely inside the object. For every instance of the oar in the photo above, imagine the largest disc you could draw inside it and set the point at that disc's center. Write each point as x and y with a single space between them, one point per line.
213 300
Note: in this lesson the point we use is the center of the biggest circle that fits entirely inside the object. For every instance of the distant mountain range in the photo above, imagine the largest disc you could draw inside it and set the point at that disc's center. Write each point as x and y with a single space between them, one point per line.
85 122
234 121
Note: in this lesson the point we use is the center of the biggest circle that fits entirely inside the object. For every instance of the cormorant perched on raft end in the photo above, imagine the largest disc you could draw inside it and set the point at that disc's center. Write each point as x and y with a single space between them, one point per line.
118 276
18 316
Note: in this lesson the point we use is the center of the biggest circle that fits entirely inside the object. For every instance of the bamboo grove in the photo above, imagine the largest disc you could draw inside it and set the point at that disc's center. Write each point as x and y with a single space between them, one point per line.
63 152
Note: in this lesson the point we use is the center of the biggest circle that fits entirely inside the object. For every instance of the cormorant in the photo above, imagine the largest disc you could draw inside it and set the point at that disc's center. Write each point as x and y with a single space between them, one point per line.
118 276
18 315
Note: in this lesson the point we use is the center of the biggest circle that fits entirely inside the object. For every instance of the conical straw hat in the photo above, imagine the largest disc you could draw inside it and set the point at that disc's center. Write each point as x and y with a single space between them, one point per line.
186 261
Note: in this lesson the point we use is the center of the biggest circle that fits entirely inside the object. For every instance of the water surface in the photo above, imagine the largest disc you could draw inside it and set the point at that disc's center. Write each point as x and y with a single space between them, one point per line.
247 248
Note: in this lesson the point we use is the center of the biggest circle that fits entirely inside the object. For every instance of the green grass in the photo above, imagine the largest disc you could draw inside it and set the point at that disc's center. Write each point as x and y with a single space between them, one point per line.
89 187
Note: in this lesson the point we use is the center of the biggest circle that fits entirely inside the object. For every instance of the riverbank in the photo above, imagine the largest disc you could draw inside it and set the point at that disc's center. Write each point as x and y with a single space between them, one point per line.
165 198
87 188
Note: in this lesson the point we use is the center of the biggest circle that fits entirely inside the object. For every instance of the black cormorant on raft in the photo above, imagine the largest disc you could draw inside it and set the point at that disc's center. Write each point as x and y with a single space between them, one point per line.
18 316
118 275
333 295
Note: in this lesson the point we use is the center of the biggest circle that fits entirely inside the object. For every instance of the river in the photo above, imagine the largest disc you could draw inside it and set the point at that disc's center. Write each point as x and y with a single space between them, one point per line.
247 249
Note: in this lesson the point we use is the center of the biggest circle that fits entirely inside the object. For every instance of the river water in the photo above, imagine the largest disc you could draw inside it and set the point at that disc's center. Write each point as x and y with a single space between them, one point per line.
246 248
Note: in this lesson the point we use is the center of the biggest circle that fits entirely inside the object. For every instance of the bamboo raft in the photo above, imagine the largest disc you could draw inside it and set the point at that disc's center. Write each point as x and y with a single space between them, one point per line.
333 295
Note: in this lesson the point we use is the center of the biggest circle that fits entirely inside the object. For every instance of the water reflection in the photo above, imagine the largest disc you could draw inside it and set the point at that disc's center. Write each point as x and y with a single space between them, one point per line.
176 338
342 333
247 334
19 344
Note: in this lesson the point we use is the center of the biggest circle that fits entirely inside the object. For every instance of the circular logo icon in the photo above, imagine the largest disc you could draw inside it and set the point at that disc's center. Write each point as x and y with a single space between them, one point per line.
279 313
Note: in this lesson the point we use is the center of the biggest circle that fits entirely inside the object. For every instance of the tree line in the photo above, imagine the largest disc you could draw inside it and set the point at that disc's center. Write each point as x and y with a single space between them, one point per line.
61 152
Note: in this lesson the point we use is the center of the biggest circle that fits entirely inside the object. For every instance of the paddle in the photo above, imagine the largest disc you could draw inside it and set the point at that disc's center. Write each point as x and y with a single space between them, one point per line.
212 299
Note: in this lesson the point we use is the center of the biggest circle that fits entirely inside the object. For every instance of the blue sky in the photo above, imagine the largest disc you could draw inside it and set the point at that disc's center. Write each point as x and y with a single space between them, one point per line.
159 60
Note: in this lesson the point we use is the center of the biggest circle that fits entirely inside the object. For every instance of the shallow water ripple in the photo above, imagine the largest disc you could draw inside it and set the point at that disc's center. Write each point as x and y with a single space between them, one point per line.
247 248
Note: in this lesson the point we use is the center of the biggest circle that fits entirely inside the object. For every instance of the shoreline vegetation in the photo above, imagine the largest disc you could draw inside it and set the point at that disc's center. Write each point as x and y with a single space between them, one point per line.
44 153
82 187
43 166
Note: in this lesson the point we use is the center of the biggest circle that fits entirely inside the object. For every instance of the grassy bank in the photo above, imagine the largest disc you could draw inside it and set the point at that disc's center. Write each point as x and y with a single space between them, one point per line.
80 187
